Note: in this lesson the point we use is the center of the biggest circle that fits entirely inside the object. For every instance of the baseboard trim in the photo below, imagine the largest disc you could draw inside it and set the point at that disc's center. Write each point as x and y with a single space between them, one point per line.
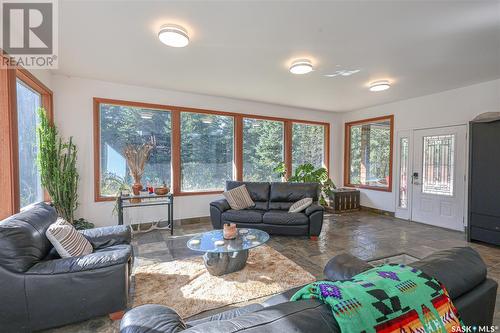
378 211
192 220
177 222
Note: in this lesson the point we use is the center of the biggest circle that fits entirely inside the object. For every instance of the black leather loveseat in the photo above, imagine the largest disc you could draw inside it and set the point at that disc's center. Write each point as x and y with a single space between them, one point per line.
270 213
461 270
39 290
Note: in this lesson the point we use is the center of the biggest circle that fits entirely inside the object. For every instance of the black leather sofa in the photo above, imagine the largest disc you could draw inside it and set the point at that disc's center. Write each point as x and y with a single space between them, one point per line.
461 270
270 213
39 290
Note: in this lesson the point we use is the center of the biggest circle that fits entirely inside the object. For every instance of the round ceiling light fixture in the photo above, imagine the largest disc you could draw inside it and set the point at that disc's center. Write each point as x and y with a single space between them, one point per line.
379 85
173 35
301 66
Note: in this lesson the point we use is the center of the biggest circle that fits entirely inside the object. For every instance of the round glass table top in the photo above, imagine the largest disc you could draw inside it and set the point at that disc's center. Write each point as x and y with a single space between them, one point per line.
213 241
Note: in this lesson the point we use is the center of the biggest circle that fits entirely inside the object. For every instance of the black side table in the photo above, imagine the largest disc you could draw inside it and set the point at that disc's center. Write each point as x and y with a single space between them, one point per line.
124 202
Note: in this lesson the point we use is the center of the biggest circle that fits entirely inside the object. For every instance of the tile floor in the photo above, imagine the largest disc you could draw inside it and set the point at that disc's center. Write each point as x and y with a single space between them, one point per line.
366 235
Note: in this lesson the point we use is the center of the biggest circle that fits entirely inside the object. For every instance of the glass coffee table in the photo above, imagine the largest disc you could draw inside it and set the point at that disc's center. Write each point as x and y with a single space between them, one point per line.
223 256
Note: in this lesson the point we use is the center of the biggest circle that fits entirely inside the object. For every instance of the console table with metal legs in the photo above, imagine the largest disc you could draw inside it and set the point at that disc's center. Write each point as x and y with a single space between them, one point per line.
145 200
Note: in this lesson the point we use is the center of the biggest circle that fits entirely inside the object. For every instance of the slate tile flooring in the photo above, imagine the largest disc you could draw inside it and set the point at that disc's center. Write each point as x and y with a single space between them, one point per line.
364 234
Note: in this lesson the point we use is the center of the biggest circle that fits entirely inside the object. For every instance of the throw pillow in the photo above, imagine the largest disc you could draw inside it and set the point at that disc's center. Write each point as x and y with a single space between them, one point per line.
300 205
67 241
239 198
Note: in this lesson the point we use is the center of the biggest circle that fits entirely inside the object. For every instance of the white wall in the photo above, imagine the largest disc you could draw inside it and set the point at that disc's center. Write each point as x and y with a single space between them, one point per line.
44 75
452 107
73 114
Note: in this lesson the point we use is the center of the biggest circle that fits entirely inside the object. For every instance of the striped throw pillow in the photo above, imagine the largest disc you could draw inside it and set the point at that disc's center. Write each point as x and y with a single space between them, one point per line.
67 241
239 198
300 205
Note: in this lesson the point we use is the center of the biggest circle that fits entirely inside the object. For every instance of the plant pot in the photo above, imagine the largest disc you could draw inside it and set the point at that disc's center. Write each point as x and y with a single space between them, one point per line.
136 189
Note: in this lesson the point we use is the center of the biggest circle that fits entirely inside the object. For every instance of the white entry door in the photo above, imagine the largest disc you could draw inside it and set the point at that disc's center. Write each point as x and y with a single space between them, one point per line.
438 177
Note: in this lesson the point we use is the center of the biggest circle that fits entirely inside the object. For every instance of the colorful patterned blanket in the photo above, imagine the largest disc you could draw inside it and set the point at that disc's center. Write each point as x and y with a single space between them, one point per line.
387 298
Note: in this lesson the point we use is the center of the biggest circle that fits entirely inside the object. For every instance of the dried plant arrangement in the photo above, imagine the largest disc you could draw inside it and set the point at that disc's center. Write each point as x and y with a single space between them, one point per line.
137 156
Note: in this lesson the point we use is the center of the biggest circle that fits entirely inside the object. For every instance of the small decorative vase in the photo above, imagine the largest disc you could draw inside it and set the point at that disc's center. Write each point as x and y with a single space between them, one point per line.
230 231
136 189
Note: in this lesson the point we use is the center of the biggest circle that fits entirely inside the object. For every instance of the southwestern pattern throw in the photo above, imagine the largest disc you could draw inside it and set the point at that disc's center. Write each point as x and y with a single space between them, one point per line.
389 298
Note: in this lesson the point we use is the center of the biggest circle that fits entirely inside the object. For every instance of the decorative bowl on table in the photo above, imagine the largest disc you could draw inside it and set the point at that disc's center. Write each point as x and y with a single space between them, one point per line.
161 190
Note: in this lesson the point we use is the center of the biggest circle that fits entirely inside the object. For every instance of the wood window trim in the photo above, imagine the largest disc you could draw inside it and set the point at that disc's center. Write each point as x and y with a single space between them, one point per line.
9 148
9 163
176 141
347 151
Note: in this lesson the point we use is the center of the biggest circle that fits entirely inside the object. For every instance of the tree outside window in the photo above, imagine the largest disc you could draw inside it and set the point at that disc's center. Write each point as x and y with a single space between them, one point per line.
369 153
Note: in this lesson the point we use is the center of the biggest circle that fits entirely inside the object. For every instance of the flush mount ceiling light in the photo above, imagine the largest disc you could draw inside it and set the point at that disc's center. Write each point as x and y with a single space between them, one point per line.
301 66
173 35
343 72
379 85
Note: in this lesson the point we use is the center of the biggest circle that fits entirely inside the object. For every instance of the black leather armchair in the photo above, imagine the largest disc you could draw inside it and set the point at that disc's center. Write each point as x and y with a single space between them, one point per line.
270 213
41 290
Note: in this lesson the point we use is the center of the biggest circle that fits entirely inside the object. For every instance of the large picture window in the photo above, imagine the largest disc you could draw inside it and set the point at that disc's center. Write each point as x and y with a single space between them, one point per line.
121 126
368 153
263 149
28 102
308 145
206 151
196 151
22 95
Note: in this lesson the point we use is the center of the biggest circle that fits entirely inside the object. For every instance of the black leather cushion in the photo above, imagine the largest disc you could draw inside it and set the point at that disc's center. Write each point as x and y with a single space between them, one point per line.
258 191
108 236
477 307
344 266
52 255
285 218
227 315
301 316
281 205
314 208
22 237
221 204
460 269
283 195
245 215
282 297
112 255
151 318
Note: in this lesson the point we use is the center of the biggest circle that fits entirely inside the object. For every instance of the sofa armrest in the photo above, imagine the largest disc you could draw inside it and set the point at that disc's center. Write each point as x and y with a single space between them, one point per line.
108 236
112 256
151 318
313 208
221 205
344 266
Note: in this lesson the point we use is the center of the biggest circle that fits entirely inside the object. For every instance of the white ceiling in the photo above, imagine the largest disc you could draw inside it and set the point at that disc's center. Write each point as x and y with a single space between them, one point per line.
242 49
